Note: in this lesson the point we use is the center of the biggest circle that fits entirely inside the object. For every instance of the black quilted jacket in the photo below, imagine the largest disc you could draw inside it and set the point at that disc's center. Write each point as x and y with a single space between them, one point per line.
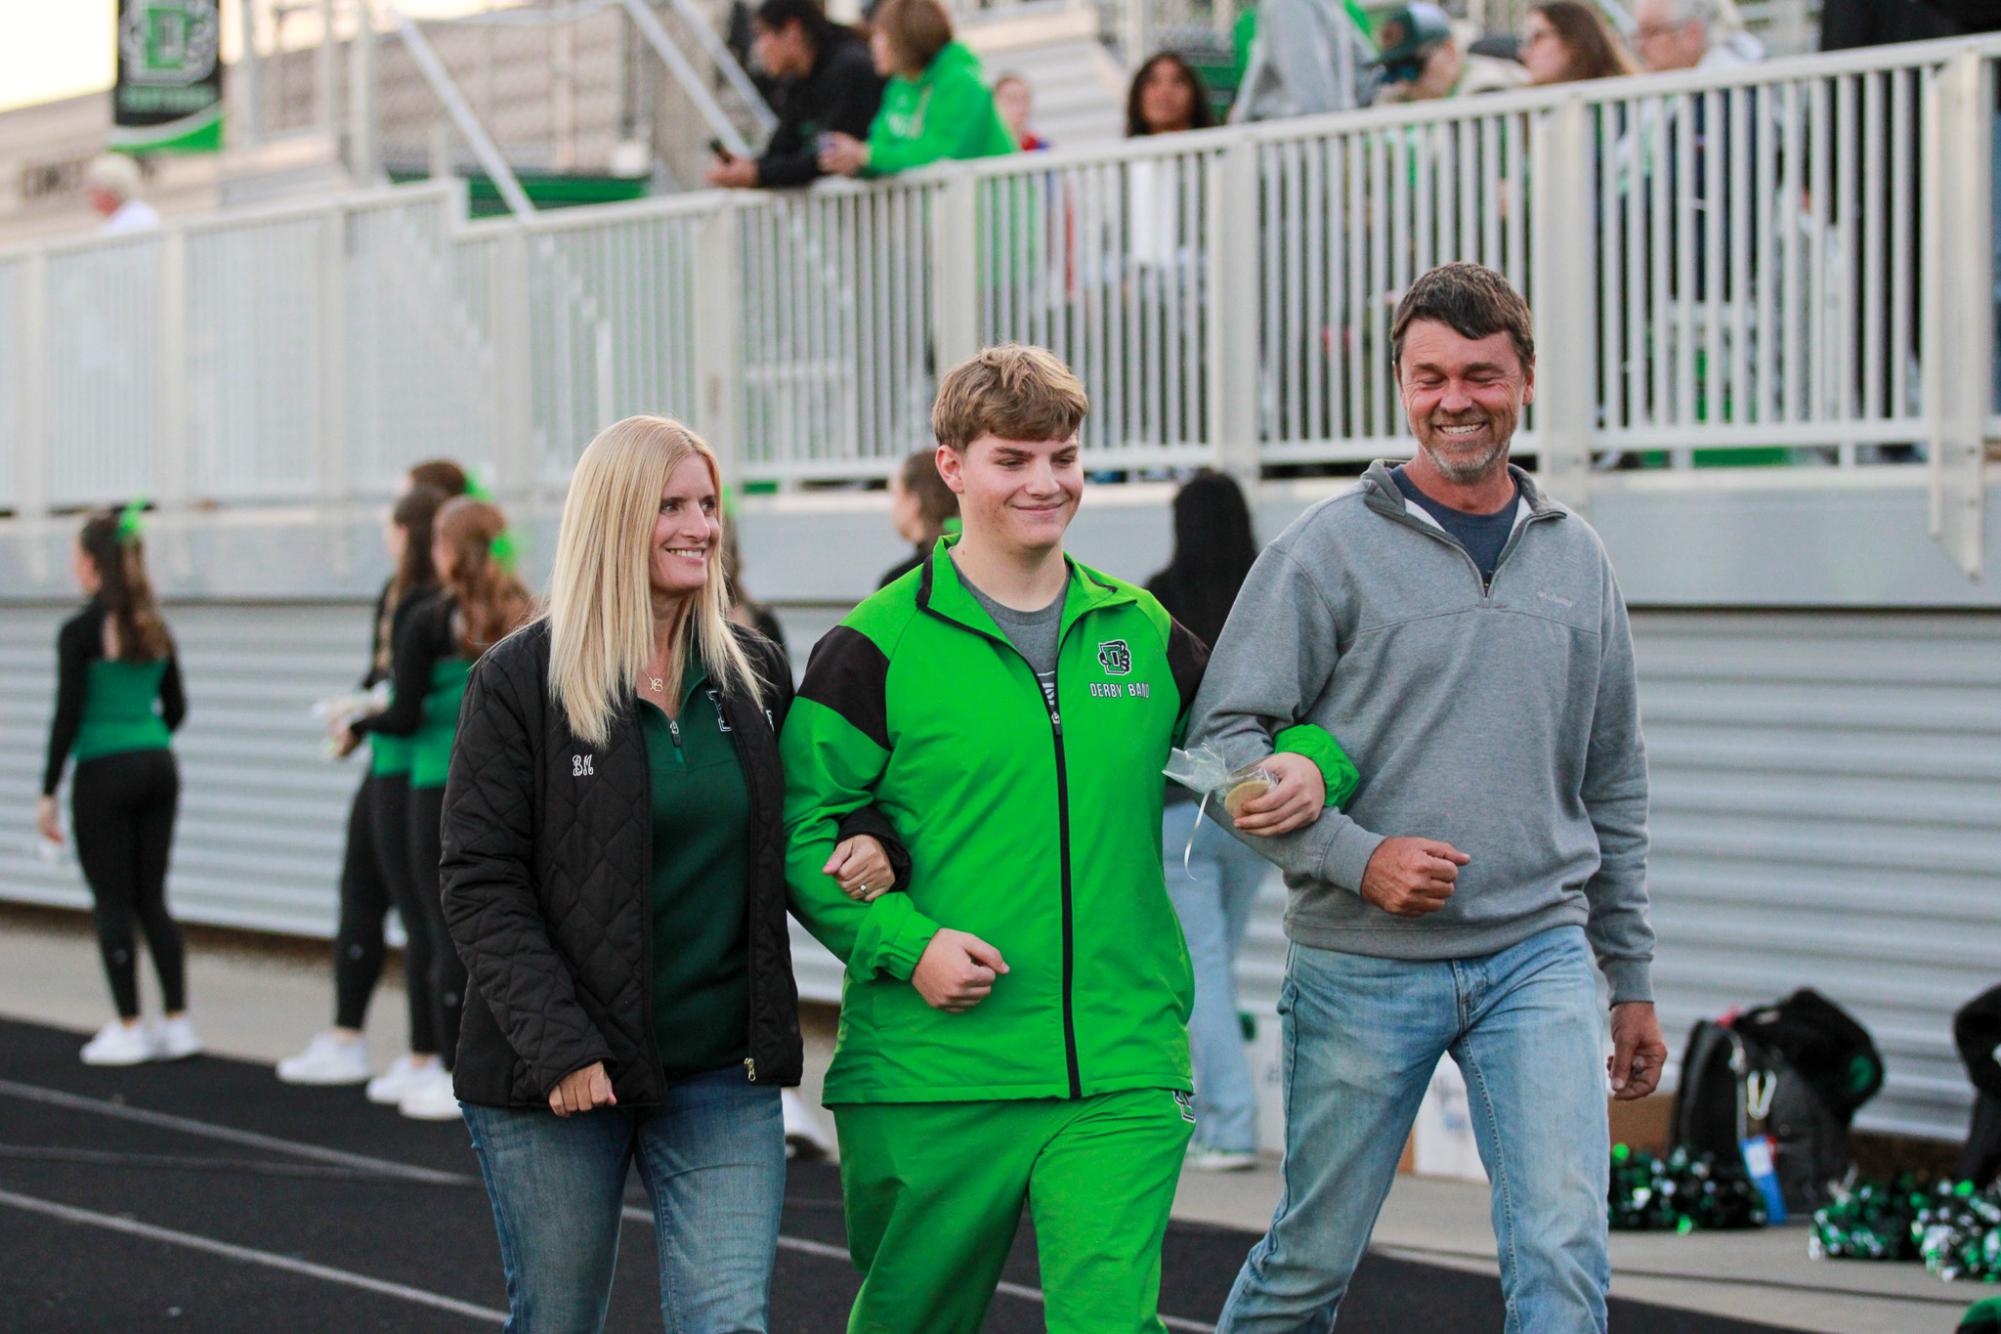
545 873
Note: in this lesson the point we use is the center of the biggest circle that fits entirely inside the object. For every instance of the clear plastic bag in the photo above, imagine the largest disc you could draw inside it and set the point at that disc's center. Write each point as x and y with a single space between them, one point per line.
1206 773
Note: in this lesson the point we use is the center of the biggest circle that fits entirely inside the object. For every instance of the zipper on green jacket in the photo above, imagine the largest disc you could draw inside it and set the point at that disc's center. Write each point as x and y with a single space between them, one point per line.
1062 832
1063 852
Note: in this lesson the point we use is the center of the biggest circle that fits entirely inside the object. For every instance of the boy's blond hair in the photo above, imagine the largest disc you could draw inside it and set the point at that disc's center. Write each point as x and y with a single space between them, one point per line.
1014 392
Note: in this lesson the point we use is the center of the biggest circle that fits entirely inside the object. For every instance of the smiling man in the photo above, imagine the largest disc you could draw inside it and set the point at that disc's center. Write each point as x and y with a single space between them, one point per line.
1464 637
1014 1023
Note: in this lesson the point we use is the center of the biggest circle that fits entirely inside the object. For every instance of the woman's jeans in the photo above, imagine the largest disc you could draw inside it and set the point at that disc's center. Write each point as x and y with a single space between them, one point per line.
712 1158
1213 897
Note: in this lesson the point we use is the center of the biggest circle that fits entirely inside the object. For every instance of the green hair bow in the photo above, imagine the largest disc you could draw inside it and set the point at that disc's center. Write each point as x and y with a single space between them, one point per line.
130 529
506 547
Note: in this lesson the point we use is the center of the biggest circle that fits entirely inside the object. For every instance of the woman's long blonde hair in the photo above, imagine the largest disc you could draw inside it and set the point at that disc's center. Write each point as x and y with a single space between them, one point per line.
600 609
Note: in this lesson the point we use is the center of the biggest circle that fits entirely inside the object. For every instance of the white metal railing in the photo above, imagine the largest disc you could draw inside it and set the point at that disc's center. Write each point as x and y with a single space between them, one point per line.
1797 259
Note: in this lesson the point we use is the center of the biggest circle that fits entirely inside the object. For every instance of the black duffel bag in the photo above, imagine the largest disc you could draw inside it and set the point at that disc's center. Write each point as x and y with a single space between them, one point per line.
1796 1072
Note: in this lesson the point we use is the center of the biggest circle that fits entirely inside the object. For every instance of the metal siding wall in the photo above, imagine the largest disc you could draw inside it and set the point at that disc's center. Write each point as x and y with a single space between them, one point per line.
1827 808
1827 813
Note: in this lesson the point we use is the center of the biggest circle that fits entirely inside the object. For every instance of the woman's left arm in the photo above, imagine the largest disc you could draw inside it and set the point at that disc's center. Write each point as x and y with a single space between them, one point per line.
173 697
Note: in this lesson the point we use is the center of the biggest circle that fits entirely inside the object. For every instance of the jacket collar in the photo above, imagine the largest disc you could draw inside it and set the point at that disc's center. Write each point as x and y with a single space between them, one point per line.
942 593
1382 494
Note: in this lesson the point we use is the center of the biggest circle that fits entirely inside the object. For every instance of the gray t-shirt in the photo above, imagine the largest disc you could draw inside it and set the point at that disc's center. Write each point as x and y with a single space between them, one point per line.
1036 634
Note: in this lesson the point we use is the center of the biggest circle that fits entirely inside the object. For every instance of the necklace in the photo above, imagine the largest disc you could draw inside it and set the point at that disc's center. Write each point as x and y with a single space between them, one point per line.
658 683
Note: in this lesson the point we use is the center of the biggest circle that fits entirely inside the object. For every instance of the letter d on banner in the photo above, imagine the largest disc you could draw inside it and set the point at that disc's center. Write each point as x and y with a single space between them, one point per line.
168 97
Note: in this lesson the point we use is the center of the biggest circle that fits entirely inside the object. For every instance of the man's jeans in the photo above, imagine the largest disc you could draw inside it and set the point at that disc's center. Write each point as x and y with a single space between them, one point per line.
1362 1036
1213 898
712 1159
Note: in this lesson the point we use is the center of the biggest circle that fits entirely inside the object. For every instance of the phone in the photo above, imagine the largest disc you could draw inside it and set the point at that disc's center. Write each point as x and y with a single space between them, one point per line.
723 154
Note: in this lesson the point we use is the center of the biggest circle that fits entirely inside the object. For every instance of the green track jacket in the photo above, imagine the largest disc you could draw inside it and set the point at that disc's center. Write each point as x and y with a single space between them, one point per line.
1037 830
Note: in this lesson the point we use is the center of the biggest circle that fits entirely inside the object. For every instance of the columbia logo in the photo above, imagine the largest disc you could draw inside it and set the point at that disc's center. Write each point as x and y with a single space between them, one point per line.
1551 597
580 766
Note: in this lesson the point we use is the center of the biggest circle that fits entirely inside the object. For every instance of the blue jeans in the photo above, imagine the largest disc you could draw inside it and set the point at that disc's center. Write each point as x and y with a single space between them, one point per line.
712 1158
1362 1036
1213 898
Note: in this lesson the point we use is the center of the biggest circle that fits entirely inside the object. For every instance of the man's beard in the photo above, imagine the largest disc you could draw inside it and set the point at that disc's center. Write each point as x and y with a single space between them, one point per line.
1461 470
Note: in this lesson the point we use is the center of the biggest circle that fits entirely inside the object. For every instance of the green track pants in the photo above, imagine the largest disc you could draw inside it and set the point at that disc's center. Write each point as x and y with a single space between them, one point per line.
934 1192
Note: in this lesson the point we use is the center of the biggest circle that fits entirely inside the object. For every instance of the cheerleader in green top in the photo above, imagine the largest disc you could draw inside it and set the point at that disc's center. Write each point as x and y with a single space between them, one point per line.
118 701
375 868
478 604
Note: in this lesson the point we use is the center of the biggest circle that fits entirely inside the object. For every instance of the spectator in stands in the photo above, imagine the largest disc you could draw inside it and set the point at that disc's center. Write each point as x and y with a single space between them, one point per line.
1015 101
923 509
937 107
113 185
823 82
1692 34
1565 41
1167 97
1423 61
1304 60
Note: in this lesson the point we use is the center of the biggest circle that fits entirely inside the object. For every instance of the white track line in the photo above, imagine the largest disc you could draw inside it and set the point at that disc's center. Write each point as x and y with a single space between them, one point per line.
227 1134
389 1167
131 1228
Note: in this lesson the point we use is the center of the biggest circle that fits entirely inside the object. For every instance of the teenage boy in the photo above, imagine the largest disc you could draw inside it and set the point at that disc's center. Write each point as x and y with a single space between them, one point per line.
1013 1024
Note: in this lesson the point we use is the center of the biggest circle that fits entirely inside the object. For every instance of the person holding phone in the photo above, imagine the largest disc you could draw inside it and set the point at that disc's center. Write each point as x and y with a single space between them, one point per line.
824 82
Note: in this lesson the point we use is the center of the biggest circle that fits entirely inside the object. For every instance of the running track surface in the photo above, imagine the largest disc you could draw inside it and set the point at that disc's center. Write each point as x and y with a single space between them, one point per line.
205 1195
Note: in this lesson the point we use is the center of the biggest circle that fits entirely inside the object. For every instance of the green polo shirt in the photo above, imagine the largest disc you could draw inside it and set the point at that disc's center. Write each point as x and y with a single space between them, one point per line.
701 884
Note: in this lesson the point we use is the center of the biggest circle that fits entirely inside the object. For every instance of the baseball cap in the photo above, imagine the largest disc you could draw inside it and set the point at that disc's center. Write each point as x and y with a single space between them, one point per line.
1404 33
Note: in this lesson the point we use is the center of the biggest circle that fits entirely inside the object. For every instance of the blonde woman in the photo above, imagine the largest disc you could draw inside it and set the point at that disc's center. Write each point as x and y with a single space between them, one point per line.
613 876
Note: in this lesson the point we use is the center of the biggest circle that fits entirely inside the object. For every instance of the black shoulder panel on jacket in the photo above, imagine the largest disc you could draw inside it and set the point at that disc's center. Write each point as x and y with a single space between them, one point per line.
1187 658
849 674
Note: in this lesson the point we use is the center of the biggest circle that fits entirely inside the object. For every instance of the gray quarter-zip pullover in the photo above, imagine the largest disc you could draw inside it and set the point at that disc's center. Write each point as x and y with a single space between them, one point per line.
1501 718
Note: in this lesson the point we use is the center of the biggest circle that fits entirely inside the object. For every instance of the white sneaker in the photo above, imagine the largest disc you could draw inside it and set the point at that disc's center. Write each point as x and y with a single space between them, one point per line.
387 1089
1206 1158
118 1044
430 1097
804 1139
327 1059
176 1039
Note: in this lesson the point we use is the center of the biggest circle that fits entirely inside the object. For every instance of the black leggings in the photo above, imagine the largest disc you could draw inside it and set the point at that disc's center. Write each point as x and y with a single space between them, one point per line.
448 972
375 874
122 810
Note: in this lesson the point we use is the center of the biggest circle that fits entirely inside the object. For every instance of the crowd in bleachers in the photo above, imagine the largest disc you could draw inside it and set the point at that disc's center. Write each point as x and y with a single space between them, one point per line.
901 92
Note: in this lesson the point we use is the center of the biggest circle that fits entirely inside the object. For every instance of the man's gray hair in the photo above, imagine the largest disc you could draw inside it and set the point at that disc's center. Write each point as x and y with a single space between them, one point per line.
115 174
1719 18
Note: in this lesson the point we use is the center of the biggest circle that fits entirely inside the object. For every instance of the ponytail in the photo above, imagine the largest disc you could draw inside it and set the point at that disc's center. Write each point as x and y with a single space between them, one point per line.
492 602
112 542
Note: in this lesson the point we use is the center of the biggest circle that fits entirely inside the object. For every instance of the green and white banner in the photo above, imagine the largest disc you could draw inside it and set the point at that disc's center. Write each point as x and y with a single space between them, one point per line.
168 98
